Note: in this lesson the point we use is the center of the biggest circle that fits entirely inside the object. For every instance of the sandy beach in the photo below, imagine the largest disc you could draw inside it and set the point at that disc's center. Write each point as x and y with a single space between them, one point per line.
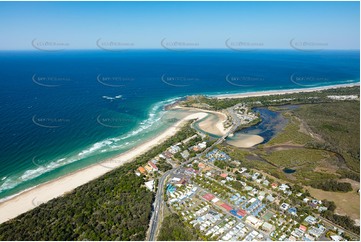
280 92
210 124
34 197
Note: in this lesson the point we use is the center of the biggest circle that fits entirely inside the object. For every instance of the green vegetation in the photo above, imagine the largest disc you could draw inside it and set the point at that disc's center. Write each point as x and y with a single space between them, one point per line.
213 187
312 166
291 134
308 164
115 206
174 230
295 157
224 164
343 221
272 100
321 142
333 145
332 185
252 123
338 124
331 206
181 135
327 129
349 174
163 165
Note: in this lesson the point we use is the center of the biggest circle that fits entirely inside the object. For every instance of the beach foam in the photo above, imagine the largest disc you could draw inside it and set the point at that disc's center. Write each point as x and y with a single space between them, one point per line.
47 191
107 145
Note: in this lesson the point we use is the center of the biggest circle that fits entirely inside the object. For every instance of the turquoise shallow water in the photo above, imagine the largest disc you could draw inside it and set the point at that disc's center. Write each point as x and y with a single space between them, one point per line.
63 111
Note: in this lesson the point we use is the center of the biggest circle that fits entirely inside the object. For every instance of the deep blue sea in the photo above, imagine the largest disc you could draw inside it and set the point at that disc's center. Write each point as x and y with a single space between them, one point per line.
62 111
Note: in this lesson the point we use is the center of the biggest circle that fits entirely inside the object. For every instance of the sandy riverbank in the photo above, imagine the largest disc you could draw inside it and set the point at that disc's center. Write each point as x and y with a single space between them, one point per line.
32 198
280 92
246 140
212 124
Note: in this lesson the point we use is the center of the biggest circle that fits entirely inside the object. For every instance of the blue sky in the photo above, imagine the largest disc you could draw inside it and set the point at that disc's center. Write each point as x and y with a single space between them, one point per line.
269 25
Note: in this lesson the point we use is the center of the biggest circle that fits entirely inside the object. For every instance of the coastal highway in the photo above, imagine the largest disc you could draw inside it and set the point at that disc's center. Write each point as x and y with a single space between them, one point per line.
158 203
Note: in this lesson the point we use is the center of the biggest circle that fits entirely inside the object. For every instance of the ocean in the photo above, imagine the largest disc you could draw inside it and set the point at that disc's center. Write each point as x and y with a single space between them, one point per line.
62 111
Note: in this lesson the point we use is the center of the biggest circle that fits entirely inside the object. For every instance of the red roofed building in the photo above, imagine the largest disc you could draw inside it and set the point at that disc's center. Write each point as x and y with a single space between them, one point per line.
195 148
208 196
141 170
224 175
303 228
226 206
242 212
153 166
274 185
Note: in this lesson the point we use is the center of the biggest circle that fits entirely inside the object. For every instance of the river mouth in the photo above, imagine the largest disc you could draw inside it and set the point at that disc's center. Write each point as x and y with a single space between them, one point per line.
272 123
209 125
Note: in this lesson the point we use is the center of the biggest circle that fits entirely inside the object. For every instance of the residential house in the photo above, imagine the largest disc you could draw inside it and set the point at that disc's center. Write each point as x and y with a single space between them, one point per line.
148 168
142 170
185 154
154 167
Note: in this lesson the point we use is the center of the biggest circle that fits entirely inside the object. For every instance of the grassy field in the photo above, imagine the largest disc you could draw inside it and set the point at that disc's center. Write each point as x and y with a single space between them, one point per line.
346 203
310 165
294 158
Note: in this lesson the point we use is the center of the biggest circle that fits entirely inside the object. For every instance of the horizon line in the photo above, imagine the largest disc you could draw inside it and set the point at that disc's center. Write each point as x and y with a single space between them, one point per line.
179 49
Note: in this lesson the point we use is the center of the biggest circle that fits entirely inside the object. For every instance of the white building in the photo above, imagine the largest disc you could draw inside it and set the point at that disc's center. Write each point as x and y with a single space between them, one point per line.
149 185
284 206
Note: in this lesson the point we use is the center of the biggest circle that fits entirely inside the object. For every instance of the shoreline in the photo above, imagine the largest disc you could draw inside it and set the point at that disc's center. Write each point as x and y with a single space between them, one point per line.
35 196
247 141
280 92
217 128
14 205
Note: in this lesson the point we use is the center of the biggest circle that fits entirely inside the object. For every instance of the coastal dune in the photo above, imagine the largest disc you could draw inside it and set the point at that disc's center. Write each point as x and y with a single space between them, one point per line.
36 196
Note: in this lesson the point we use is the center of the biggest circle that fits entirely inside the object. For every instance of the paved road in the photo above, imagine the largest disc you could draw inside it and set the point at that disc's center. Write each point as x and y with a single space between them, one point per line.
330 223
249 227
158 203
